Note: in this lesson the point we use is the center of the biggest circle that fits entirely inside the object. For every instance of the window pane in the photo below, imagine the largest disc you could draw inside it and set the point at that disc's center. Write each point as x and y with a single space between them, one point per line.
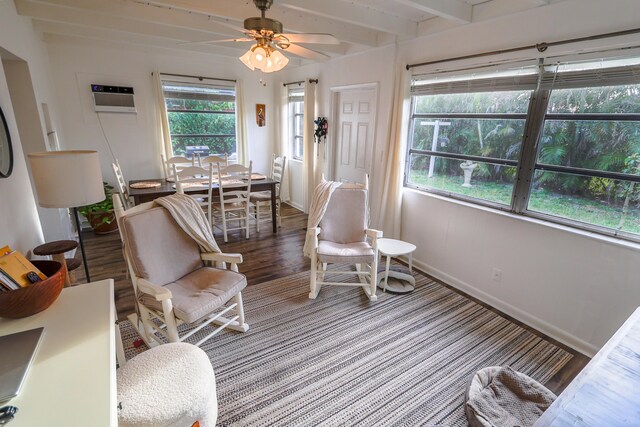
298 126
500 139
297 150
594 144
212 130
610 99
479 103
604 202
487 181
201 118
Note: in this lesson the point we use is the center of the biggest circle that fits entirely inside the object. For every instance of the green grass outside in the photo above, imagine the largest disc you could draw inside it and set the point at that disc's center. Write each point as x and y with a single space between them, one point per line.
573 207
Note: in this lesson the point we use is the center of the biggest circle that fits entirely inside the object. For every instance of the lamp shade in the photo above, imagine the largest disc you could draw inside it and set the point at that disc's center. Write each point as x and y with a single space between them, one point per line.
67 179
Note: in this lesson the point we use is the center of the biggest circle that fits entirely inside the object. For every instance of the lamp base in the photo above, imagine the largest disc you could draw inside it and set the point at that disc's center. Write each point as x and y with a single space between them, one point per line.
76 215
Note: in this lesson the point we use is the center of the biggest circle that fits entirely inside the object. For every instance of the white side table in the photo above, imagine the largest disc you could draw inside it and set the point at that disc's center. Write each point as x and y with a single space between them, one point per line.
72 381
394 248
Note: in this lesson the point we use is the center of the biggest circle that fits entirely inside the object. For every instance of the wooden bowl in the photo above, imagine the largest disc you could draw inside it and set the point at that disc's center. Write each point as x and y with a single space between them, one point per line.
37 297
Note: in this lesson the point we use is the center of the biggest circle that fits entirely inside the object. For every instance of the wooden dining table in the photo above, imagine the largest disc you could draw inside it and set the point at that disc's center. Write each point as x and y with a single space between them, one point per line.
142 195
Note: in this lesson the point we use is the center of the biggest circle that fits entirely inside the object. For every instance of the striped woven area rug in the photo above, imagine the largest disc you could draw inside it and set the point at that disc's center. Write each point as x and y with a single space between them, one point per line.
341 360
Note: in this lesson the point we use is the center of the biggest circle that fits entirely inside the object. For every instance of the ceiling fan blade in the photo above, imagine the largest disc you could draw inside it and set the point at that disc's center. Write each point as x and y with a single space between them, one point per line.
220 41
305 53
312 38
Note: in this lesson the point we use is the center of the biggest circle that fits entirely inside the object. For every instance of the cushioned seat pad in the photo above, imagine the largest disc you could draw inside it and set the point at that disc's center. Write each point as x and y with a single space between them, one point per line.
200 292
348 253
260 196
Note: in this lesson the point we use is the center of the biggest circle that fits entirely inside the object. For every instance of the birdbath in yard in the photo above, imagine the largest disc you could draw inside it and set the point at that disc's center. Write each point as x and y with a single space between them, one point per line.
468 167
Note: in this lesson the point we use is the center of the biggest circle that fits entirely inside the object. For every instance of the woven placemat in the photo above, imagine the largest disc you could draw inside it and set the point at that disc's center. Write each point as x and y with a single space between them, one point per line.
145 184
198 184
257 177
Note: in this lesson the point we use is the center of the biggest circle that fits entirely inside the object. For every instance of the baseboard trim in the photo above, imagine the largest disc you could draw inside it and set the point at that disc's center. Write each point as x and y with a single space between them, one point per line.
295 205
528 319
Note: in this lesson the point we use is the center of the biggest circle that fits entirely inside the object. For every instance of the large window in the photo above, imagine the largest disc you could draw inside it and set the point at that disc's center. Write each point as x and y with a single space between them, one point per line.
296 122
202 118
480 133
566 149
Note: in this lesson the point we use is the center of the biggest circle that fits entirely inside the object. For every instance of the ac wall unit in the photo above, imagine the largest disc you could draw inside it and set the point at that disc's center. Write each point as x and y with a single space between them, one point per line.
113 99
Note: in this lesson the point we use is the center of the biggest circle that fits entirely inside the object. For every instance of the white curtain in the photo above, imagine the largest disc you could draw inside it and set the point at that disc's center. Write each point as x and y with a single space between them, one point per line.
242 142
161 115
282 148
308 161
389 210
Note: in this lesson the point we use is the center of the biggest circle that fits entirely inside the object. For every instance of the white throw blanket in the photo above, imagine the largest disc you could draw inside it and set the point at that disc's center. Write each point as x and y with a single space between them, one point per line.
191 218
319 202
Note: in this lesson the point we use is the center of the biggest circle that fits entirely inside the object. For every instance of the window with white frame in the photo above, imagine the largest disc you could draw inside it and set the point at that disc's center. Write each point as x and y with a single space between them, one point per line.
561 143
202 118
296 122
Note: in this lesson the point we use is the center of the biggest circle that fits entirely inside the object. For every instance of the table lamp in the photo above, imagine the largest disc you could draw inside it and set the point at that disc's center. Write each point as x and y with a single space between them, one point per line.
68 179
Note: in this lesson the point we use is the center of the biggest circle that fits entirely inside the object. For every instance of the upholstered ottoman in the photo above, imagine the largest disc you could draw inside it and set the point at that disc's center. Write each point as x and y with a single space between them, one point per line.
499 396
169 385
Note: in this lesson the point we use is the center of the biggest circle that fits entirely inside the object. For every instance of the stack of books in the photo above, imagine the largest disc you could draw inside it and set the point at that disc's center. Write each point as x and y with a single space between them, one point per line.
16 271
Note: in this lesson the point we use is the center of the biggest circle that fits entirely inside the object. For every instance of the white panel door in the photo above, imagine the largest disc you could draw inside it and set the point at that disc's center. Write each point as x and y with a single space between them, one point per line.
356 123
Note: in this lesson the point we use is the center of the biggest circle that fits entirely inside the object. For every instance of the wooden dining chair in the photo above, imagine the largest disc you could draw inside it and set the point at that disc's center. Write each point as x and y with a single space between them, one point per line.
123 188
211 161
262 199
234 206
180 163
194 177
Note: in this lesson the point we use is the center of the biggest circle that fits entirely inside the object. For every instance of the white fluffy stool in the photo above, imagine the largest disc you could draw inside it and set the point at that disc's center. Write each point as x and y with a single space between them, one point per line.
169 385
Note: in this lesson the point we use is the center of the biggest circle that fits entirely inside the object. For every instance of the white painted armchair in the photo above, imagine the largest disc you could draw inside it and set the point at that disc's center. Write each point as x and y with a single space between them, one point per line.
174 283
342 237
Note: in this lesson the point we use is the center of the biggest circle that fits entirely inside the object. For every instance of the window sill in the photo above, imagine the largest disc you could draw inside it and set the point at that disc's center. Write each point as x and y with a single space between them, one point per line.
532 220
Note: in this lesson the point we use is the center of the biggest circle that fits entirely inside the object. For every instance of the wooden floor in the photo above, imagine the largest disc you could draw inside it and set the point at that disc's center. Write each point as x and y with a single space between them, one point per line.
266 256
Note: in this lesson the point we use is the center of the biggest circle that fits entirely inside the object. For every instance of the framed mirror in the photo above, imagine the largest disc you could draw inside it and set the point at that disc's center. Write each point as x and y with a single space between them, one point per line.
6 151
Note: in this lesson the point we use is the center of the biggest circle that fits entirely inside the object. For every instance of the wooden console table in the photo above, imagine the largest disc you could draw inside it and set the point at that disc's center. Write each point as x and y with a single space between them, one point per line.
72 381
607 391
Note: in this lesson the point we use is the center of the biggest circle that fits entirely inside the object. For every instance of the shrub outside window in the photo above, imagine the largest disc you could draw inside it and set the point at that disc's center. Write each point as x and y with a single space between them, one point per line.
202 118
565 150
469 134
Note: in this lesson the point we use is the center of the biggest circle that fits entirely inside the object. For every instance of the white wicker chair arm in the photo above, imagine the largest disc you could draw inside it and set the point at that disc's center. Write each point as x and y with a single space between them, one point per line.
158 292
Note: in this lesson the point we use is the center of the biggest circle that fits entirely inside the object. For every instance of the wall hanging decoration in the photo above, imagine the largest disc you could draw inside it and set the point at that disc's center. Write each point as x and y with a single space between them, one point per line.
6 150
322 128
261 115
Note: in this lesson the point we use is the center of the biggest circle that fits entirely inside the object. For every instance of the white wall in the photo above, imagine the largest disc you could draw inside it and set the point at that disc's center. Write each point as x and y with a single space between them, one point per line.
21 225
359 69
576 287
77 63
573 286
19 222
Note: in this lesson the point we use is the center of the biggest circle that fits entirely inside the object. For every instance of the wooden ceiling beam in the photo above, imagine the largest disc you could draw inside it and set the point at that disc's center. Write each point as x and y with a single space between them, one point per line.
356 14
113 36
154 21
293 21
456 10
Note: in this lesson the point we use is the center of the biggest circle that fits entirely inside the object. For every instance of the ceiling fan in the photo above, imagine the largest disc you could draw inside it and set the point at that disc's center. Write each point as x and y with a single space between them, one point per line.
269 40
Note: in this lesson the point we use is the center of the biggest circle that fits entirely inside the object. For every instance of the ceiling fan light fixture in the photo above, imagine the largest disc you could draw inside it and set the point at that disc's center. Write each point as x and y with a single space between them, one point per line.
258 57
279 60
265 58
246 60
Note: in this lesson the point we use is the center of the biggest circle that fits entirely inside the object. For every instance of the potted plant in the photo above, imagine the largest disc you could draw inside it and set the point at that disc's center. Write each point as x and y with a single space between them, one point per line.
100 215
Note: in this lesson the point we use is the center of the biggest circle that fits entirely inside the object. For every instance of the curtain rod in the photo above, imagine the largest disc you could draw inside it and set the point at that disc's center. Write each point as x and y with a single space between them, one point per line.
541 47
299 82
201 78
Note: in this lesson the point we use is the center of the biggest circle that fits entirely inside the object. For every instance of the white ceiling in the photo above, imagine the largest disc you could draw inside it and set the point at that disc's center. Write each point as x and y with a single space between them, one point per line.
358 24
